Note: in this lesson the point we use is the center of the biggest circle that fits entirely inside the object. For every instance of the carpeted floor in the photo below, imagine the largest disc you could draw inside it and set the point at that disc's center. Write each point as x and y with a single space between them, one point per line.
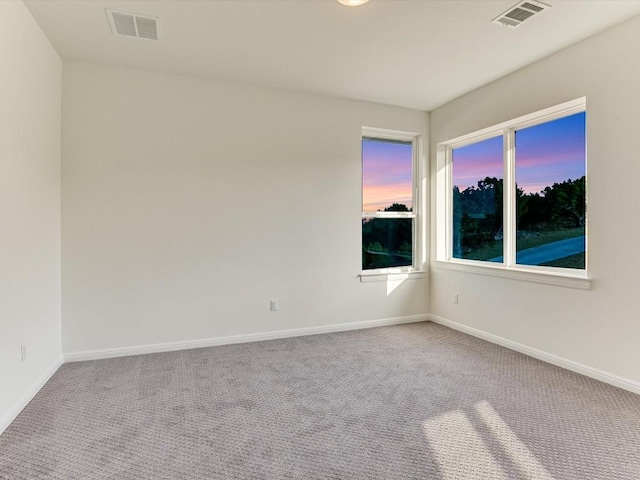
414 401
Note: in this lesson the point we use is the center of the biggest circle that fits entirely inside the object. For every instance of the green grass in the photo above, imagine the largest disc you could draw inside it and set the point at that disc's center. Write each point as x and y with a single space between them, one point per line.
549 237
494 249
488 251
573 261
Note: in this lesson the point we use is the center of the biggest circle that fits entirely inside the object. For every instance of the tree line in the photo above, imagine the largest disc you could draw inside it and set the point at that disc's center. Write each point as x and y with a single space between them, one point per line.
387 242
478 210
477 219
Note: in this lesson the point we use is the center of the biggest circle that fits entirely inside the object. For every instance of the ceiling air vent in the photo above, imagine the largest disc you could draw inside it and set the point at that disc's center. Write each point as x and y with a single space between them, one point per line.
131 25
520 13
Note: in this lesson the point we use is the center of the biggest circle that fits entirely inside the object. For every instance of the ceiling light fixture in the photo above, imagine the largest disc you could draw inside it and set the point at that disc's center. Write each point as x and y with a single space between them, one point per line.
353 3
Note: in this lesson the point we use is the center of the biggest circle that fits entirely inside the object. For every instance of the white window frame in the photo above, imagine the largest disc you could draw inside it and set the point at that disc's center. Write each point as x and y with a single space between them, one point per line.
444 212
418 177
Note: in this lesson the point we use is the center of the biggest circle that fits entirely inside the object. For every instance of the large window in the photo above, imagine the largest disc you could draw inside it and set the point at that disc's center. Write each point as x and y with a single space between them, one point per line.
517 193
388 204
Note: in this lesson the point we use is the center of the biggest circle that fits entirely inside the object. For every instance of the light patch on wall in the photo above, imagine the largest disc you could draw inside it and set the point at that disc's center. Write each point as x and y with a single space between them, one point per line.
394 281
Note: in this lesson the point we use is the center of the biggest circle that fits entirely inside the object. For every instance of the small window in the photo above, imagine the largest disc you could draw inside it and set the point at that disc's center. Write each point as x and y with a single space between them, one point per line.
388 216
518 193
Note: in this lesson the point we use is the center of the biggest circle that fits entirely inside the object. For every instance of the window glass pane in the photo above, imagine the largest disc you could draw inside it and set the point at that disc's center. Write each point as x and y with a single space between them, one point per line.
387 242
477 200
550 194
387 167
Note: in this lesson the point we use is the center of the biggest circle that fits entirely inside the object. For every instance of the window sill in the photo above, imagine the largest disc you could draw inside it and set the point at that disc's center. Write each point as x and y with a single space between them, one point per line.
564 279
382 276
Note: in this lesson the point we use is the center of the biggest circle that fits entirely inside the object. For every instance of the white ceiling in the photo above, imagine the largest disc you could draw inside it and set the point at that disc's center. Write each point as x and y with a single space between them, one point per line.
412 53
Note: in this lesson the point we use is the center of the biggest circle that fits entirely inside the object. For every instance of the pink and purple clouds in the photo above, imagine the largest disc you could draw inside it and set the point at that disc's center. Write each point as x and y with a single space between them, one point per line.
477 161
552 152
548 153
387 168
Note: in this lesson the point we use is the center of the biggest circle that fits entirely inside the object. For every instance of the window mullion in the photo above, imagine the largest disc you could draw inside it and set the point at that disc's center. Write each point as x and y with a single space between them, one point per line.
416 202
389 214
509 199
448 203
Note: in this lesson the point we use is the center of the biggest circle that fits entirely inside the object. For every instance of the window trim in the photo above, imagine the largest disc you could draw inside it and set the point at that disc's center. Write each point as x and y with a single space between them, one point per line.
418 184
444 212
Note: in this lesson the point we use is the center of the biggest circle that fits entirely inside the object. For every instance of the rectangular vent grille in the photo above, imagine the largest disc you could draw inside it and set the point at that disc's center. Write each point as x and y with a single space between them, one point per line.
131 25
532 7
519 13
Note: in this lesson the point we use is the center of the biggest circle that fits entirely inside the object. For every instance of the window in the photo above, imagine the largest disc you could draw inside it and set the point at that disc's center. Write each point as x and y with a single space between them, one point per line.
477 171
516 194
550 172
388 200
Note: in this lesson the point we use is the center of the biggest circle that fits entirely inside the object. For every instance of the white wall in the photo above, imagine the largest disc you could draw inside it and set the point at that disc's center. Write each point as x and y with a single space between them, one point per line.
599 328
189 204
30 85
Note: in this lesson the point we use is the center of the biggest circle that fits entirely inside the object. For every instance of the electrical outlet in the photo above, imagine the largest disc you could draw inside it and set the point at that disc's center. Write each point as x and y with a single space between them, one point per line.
274 305
456 299
23 352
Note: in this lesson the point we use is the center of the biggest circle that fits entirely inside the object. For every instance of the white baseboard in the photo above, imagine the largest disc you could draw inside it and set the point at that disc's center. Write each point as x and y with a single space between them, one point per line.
250 337
580 368
24 400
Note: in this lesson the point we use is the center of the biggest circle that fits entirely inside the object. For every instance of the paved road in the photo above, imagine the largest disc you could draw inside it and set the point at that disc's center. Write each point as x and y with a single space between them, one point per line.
549 252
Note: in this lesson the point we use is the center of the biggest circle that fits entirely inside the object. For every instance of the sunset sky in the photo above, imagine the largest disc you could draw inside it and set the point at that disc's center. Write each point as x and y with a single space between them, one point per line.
386 174
545 154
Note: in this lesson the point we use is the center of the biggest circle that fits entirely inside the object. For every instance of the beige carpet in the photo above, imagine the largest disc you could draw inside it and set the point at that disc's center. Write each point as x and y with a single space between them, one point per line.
409 402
